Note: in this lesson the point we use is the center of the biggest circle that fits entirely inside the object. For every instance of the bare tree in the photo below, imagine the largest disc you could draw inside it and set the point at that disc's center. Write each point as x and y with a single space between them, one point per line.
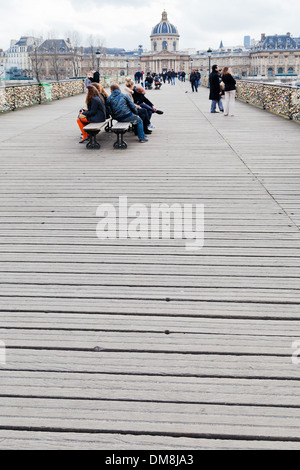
54 54
96 43
75 51
37 60
92 46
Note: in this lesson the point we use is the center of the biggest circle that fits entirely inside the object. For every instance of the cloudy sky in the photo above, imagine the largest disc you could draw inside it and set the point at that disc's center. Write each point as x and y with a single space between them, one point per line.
127 24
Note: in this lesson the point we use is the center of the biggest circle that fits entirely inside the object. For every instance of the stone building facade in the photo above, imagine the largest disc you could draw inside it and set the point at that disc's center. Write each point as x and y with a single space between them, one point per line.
238 60
59 59
276 56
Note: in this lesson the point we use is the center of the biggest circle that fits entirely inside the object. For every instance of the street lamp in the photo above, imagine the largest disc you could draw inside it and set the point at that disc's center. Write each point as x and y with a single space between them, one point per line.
209 52
98 55
127 65
192 61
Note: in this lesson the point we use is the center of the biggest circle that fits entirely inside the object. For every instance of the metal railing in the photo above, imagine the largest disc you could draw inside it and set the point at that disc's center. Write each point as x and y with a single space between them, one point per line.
14 97
283 100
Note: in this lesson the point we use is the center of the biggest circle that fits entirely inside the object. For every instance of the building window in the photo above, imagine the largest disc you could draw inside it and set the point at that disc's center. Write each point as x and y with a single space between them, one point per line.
155 46
291 70
174 46
280 70
165 46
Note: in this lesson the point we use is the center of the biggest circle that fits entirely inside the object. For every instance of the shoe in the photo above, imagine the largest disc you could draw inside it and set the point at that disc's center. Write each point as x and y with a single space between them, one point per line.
214 112
84 140
222 110
147 132
151 126
159 112
143 140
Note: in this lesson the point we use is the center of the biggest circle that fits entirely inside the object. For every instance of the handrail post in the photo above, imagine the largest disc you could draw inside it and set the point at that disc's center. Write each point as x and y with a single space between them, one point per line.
40 92
14 107
263 96
290 106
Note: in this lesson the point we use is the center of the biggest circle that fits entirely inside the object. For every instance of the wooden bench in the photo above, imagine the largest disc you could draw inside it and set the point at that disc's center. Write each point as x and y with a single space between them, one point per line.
93 129
120 128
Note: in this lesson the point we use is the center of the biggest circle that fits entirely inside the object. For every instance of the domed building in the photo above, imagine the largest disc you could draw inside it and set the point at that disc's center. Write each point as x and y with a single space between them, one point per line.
165 36
165 54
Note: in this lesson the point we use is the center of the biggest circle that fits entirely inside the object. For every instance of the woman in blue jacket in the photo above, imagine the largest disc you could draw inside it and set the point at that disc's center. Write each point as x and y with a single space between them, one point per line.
95 111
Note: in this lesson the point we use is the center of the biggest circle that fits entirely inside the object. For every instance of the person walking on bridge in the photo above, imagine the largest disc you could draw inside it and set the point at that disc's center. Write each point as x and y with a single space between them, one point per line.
193 80
230 91
215 94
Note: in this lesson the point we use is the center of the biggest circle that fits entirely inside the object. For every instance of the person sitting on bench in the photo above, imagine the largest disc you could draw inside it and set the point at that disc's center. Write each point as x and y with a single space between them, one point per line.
95 111
157 82
141 111
148 81
122 109
140 99
102 94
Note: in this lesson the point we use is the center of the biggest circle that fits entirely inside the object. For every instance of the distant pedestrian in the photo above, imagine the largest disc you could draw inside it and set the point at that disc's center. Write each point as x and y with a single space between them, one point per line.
198 74
173 77
193 80
230 91
88 80
215 94
96 77
137 77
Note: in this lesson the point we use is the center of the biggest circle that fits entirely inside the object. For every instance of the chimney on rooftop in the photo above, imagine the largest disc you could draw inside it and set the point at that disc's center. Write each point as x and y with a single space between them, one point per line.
263 36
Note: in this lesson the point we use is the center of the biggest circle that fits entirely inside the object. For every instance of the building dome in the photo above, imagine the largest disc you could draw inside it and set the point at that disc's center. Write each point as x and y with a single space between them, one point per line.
164 27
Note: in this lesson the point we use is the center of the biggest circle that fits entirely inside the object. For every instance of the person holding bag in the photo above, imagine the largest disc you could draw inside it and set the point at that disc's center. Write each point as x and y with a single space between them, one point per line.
95 111
230 91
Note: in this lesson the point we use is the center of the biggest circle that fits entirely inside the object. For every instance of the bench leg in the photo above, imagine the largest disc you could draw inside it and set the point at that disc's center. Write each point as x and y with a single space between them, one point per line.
108 127
93 144
120 143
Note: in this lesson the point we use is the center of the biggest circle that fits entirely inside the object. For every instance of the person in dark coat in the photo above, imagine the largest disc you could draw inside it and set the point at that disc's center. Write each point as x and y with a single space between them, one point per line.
230 91
215 94
173 77
193 80
95 112
148 81
198 74
140 99
96 77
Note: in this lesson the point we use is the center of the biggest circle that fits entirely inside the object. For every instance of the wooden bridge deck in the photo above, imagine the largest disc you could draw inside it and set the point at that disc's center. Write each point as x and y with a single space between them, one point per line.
89 364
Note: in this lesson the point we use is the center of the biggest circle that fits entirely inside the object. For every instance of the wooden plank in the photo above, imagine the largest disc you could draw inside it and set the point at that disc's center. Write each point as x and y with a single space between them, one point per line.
251 392
147 363
126 342
10 440
218 421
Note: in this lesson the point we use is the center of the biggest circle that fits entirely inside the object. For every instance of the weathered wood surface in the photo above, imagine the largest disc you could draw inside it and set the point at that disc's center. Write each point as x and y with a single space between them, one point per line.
140 344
